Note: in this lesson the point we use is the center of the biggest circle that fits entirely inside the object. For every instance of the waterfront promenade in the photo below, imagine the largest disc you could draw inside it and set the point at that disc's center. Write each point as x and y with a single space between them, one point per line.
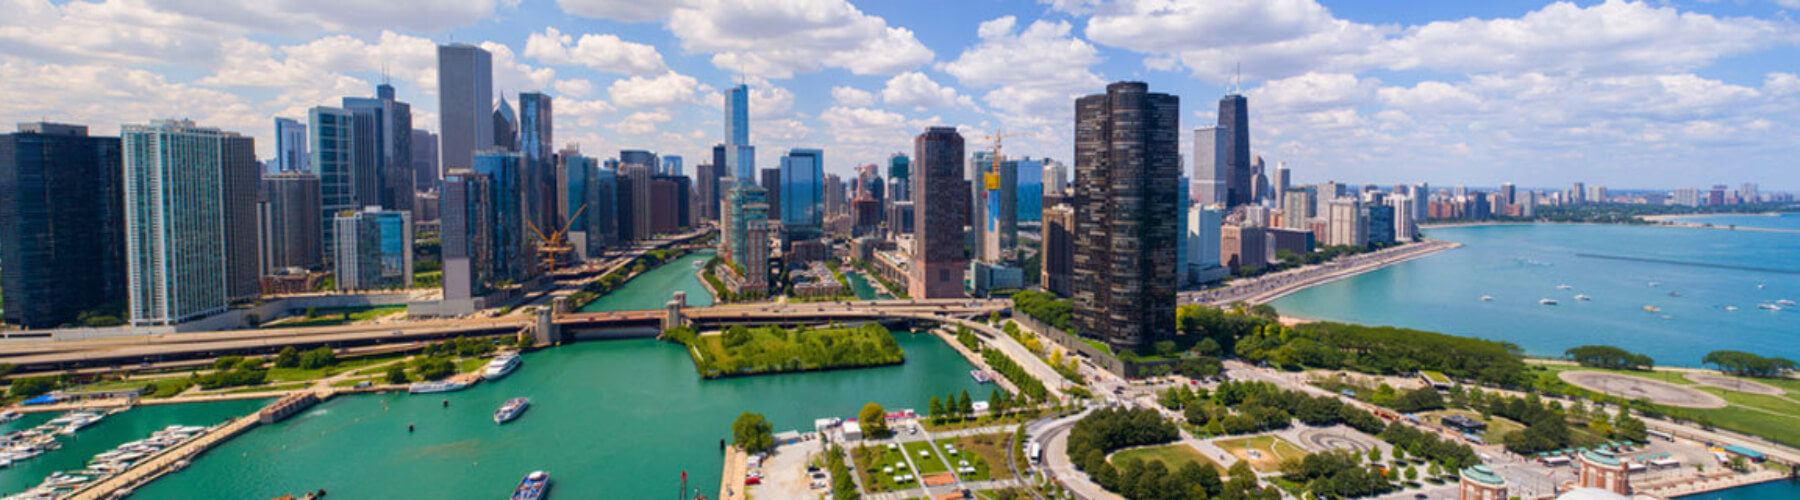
1267 288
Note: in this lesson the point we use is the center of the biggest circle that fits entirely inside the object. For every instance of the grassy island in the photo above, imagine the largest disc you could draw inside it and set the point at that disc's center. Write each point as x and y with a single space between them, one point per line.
743 351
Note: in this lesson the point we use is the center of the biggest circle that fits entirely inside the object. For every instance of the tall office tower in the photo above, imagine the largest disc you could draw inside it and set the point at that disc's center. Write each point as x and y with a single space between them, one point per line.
1300 207
1527 208
425 161
190 220
1405 227
465 104
1597 194
668 204
899 175
1281 183
740 156
507 235
1716 195
1127 165
758 228
745 208
602 215
771 184
1748 193
1056 182
835 194
62 236
1578 193
639 175
1205 223
1243 247
940 210
1381 223
1030 190
1059 249
1182 202
1211 182
1508 194
1348 224
1422 207
1000 211
290 145
467 213
1234 147
382 137
639 157
575 197
537 143
868 184
802 194
290 228
375 250
332 132
671 165
506 126
978 165
706 187
1259 180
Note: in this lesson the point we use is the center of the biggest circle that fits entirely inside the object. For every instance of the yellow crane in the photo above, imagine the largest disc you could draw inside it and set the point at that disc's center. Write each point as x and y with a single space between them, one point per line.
992 179
554 245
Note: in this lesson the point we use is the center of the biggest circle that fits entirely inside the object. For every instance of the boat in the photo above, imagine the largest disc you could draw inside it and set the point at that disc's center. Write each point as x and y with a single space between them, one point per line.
1674 294
1654 284
1785 303
501 366
1731 308
437 386
533 487
1768 307
981 376
1487 298
1653 309
1582 297
9 416
78 422
511 410
1547 301
1563 287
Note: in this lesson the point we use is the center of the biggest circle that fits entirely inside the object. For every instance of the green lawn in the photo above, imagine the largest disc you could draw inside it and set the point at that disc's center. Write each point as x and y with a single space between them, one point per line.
1271 451
1771 417
336 316
987 454
873 463
769 350
269 388
1173 456
351 382
300 374
927 464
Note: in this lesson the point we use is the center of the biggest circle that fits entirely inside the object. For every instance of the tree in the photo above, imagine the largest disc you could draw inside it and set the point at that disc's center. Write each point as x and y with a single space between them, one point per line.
1609 357
226 362
753 433
396 374
289 357
1399 454
996 403
33 386
252 320
1412 474
873 420
1374 455
318 358
966 406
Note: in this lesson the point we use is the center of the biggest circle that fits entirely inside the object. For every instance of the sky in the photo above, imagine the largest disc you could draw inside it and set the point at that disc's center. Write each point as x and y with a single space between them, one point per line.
1657 94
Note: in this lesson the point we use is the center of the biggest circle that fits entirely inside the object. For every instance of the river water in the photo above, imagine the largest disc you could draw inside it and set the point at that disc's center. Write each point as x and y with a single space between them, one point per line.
1520 264
110 433
653 289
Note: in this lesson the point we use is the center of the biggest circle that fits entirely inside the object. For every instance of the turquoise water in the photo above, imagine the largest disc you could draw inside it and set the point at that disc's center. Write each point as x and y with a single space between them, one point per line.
1776 489
1520 264
864 291
1783 221
115 430
653 289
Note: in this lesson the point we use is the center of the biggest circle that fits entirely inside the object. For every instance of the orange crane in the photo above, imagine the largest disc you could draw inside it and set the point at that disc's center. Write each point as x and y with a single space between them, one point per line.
992 178
554 245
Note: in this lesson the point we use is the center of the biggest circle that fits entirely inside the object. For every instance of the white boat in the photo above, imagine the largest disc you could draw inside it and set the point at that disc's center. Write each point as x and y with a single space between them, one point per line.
1547 301
435 387
9 416
1654 284
1487 298
501 366
1654 309
1785 302
1731 308
511 410
1582 297
1768 307
1563 287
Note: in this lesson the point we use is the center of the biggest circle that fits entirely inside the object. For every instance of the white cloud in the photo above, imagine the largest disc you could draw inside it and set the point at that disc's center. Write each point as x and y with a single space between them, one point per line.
642 122
574 87
103 97
631 11
1430 95
584 114
853 97
1035 75
918 91
666 89
247 63
116 30
601 52
777 39
1313 92
512 76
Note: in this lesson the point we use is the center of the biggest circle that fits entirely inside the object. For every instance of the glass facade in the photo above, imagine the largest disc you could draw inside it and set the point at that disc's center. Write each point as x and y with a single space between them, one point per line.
333 160
803 191
175 222
505 215
374 250
61 238
1031 189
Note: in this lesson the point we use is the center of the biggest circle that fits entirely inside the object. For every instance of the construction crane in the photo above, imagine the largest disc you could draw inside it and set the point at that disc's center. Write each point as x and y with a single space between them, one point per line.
992 179
554 245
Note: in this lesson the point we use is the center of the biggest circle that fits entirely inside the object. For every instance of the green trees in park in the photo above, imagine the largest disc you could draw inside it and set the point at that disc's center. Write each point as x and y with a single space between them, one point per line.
753 433
1336 474
32 386
1429 446
1747 364
746 351
1108 430
1028 385
396 374
1608 357
873 420
1045 307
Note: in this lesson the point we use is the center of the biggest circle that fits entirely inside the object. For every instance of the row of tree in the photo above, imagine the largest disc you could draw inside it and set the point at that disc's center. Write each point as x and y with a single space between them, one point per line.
1105 431
1385 350
1609 357
772 349
1030 388
1747 364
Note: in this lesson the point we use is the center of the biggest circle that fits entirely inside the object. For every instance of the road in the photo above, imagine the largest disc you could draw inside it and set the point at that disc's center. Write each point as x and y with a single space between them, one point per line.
1054 434
1268 287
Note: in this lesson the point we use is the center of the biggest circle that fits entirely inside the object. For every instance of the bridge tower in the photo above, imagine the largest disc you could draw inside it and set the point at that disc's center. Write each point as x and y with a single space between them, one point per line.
672 316
546 331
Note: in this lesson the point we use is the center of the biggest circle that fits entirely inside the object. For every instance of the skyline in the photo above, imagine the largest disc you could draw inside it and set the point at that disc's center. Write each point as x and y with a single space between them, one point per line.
1340 92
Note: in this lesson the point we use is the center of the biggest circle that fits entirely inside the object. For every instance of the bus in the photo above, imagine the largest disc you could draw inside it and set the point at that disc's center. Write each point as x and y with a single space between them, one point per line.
1035 452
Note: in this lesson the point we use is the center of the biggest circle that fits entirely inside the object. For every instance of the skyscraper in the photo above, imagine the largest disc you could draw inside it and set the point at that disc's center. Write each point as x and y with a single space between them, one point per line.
467 236
506 215
671 165
639 157
465 103
374 250
1000 210
334 161
1211 183
62 236
1234 118
1056 179
1127 165
575 196
940 210
1059 249
740 156
899 174
802 194
290 145
425 160
639 176
290 226
1204 230
537 145
383 141
771 184
190 230
1031 189
706 186
506 127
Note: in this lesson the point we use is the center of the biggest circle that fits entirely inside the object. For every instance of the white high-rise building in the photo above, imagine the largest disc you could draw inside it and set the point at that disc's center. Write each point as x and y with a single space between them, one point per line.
1346 224
1203 232
1056 177
190 220
1209 165
1405 228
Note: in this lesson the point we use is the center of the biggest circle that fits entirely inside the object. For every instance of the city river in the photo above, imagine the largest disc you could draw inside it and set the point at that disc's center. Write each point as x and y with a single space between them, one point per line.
609 419
652 289
110 433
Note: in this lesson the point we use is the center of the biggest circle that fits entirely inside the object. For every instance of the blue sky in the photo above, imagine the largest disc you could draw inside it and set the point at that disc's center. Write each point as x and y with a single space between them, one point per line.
1625 94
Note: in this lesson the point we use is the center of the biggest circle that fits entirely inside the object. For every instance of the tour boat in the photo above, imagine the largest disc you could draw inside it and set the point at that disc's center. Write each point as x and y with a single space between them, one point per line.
533 487
1731 308
981 376
438 386
511 410
1785 302
1653 309
1487 298
1582 297
501 366
1547 301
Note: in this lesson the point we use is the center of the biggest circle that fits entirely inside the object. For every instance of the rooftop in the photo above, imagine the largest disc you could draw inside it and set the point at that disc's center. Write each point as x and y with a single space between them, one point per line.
1483 474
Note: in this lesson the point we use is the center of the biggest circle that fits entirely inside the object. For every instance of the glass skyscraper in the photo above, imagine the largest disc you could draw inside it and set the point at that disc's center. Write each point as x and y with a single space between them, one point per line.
803 192
537 144
290 145
506 217
333 160
740 156
185 248
1031 189
61 234
465 103
374 250
383 141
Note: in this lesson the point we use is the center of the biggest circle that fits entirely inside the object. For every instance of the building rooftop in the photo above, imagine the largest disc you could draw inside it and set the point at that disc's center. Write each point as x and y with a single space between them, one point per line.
1483 474
1601 457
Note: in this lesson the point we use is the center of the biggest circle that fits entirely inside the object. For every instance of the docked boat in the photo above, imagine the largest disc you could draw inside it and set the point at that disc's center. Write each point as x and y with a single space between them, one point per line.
981 376
501 366
437 386
511 410
9 416
78 422
1548 301
533 487
1583 297
1653 309
1487 298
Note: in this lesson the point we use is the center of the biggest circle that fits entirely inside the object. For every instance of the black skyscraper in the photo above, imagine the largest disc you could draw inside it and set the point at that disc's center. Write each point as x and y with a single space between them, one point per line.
1127 171
62 237
1234 117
